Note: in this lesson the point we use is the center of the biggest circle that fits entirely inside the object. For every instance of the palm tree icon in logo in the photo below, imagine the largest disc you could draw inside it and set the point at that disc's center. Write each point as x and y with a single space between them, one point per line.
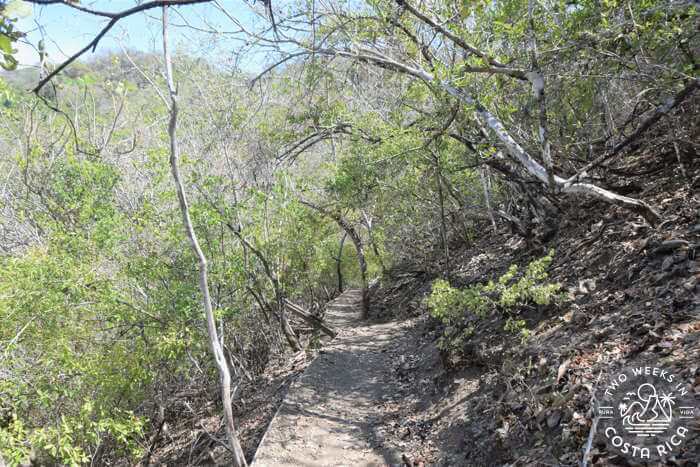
645 413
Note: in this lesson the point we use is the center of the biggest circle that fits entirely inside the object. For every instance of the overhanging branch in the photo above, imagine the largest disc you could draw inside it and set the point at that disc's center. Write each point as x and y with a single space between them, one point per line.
514 150
115 18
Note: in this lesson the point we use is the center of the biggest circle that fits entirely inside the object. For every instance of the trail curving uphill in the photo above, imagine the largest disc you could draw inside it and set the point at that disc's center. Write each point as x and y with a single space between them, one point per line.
331 413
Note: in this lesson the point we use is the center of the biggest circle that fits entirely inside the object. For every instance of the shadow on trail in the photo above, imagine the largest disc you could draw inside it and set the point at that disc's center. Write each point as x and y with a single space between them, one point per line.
331 414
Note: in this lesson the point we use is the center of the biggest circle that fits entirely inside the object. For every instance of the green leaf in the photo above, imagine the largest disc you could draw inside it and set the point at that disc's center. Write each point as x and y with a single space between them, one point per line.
5 44
10 62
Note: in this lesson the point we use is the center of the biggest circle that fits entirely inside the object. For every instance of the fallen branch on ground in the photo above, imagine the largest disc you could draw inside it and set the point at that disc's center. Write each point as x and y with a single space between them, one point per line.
309 318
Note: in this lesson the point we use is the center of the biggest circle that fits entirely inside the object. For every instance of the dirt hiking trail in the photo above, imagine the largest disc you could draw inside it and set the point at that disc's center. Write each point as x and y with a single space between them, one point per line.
330 414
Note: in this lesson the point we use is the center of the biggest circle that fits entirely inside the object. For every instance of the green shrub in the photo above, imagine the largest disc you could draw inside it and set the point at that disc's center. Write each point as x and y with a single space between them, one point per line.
447 304
517 326
61 396
529 288
63 442
508 293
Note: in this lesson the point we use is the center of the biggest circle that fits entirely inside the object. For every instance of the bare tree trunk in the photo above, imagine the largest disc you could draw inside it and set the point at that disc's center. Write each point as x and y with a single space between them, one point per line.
217 350
487 197
373 244
441 199
535 77
359 247
288 331
339 264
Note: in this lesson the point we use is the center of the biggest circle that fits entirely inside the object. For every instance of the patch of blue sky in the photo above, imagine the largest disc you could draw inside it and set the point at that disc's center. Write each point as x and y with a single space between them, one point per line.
202 30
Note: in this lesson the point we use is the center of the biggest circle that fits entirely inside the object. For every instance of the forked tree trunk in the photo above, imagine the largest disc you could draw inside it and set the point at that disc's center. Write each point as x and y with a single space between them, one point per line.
215 344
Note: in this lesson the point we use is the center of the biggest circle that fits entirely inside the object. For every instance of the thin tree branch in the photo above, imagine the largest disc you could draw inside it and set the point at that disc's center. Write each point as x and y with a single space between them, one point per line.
659 112
74 5
276 64
458 40
115 18
214 342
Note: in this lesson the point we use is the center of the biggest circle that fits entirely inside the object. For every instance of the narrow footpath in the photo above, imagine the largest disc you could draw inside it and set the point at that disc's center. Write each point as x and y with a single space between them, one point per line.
331 413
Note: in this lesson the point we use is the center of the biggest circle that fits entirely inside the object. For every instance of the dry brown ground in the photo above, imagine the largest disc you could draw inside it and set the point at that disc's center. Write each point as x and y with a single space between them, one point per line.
633 299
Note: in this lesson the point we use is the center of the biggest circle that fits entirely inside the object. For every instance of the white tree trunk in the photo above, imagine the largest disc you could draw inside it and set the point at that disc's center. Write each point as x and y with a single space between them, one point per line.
215 344
515 151
534 168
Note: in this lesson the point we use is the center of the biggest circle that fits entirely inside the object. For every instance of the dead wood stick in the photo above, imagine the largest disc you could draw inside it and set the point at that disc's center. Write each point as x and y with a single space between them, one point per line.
312 320
659 112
